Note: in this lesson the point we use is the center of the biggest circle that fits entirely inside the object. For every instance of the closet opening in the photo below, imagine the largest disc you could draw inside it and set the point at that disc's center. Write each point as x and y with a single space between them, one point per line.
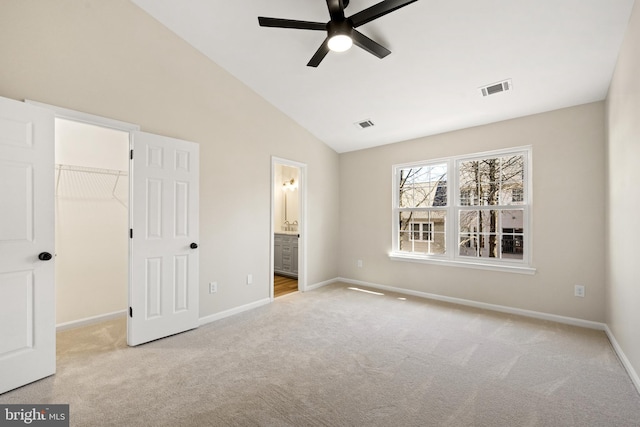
91 224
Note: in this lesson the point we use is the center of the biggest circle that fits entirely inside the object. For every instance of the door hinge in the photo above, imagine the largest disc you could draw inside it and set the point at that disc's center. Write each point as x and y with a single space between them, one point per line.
131 154
131 233
131 312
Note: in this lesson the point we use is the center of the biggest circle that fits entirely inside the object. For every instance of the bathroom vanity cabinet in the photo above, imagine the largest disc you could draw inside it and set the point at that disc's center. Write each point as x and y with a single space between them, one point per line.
285 254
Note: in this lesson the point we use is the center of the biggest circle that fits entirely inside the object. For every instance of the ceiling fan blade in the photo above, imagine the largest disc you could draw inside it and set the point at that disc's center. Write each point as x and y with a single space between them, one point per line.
320 54
377 10
291 23
336 9
369 45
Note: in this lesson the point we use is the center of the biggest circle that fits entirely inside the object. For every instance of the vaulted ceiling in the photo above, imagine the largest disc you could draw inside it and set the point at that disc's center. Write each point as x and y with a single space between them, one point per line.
557 53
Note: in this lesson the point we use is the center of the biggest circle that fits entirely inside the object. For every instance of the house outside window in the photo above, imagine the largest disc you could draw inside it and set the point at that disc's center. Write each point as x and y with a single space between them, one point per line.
422 231
471 209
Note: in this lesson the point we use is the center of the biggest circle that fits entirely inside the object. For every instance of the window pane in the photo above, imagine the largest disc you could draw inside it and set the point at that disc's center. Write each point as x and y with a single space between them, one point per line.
422 231
492 181
512 219
468 182
488 221
468 244
512 234
492 233
468 221
405 187
512 179
423 187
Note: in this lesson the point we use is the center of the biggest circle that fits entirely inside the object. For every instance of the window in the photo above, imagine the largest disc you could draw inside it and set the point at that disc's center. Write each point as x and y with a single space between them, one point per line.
422 194
467 210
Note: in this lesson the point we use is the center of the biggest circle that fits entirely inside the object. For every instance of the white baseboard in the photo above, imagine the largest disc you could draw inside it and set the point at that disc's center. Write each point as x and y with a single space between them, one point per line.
90 320
256 304
321 284
232 311
623 358
494 307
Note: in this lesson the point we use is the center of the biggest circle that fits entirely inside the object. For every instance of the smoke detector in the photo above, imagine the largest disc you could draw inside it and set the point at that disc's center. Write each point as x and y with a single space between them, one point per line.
494 88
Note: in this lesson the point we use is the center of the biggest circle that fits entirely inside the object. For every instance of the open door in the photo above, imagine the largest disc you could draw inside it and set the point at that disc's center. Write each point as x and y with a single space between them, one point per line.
163 284
27 292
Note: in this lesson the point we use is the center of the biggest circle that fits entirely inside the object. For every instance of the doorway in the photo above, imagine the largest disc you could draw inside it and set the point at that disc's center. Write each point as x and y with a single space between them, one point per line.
288 225
91 222
163 186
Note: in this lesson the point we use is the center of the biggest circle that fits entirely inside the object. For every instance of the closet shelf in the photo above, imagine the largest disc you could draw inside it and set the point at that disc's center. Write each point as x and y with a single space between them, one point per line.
84 169
87 183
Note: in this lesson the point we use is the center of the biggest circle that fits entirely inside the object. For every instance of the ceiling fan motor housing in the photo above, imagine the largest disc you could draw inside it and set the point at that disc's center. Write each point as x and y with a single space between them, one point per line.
335 28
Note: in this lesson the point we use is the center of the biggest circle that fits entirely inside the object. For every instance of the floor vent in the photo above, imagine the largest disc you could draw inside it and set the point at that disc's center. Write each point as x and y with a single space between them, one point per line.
494 88
365 124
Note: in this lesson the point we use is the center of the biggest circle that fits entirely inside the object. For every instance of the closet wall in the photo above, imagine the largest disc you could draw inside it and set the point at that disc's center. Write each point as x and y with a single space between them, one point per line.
92 189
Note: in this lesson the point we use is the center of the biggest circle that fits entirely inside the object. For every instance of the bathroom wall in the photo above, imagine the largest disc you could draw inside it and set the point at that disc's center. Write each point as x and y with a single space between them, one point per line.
286 194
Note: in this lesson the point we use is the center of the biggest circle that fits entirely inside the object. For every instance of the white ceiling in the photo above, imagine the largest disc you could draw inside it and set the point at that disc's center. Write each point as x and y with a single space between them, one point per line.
558 53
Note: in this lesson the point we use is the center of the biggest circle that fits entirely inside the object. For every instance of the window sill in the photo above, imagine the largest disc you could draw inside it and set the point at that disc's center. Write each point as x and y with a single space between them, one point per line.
509 268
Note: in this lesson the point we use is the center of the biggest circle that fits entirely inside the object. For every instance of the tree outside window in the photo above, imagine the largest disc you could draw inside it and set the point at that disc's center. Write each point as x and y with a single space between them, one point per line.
487 186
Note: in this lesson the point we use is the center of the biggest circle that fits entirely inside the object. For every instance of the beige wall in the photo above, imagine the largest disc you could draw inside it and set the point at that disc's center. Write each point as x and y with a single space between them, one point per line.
568 214
623 197
109 58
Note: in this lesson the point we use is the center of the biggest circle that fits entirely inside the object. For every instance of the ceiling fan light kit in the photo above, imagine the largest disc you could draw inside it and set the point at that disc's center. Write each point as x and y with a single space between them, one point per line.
341 31
340 43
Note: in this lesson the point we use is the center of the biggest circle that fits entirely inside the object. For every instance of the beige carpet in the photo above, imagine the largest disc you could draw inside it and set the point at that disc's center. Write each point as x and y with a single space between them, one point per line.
341 357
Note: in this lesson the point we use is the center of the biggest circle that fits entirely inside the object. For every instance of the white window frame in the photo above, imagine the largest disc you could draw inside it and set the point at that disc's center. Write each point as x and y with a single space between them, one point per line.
453 209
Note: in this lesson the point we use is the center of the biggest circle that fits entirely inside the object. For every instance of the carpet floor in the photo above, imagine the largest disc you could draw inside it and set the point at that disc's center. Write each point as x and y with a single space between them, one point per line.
338 356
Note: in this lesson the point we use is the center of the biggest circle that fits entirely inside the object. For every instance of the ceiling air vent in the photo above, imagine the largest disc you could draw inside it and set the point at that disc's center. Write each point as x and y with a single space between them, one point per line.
494 88
364 124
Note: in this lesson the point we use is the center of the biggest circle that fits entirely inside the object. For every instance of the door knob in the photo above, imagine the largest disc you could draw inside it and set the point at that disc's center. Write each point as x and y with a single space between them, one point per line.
44 256
194 246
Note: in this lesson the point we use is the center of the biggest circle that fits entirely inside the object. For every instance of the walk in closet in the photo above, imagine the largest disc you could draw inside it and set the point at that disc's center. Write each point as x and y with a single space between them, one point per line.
92 192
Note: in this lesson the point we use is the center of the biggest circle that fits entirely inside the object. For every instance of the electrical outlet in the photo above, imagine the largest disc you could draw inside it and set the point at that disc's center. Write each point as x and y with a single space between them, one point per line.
249 279
579 291
359 263
213 287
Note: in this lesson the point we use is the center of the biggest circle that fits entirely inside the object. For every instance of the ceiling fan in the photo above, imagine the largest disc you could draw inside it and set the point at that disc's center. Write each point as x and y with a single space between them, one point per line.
341 31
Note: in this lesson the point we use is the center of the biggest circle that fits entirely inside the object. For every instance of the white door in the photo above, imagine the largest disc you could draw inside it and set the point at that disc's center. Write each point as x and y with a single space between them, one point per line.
27 292
163 286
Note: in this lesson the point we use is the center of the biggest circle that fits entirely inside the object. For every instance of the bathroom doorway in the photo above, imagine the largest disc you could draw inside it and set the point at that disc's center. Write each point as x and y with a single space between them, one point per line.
288 225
